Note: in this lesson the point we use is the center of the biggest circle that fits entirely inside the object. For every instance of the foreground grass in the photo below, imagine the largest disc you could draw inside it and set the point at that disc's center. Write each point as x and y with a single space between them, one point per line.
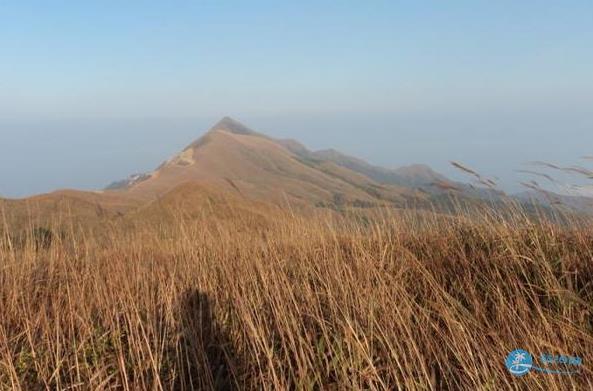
403 302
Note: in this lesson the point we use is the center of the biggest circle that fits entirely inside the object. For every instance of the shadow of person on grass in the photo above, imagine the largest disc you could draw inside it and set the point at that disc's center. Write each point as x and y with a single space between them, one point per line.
209 358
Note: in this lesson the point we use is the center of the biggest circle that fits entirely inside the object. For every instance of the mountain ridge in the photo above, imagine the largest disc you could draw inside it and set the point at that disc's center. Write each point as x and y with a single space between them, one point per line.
326 171
233 156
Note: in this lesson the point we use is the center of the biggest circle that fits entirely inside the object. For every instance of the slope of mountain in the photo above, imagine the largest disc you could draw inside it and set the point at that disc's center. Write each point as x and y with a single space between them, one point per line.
419 175
550 199
416 176
234 158
207 204
65 207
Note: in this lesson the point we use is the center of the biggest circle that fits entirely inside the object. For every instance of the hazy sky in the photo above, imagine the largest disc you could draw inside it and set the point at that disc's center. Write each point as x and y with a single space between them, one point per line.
92 91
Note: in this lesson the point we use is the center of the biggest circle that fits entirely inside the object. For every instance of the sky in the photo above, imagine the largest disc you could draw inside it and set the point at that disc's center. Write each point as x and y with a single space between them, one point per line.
91 92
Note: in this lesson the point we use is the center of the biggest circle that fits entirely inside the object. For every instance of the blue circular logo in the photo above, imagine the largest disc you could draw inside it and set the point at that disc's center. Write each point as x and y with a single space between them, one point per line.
519 362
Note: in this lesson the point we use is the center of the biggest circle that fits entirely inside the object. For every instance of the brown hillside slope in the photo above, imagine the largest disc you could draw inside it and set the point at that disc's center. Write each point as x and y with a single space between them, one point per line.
207 204
66 206
234 158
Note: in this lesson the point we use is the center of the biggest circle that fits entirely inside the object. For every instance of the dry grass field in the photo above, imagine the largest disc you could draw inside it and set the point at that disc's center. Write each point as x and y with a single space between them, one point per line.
389 301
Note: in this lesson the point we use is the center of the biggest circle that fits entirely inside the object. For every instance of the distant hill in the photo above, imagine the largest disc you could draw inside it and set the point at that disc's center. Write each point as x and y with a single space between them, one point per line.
549 199
414 176
67 207
233 157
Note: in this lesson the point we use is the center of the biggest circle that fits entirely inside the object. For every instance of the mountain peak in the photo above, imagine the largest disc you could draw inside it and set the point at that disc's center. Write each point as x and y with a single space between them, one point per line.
230 125
236 158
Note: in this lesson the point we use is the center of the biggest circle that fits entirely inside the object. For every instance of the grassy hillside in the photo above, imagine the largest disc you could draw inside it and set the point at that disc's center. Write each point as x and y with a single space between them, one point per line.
234 158
66 207
393 300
